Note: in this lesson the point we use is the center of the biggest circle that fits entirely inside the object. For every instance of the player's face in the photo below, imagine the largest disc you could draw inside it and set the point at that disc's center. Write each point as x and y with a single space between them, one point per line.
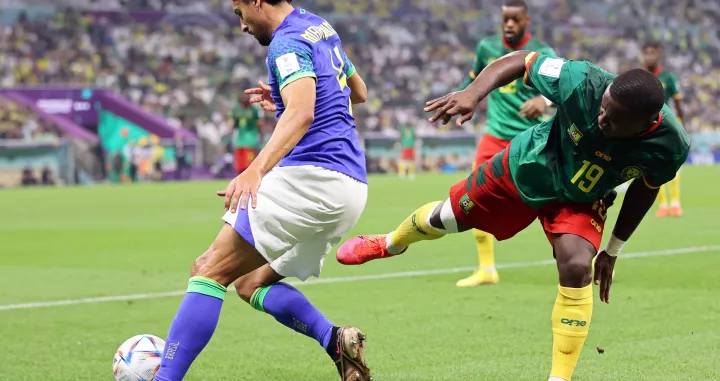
651 57
251 20
616 121
514 24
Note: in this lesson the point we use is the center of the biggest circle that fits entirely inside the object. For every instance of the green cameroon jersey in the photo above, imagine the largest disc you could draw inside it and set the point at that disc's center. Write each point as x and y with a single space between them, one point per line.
669 82
246 122
407 139
503 113
568 159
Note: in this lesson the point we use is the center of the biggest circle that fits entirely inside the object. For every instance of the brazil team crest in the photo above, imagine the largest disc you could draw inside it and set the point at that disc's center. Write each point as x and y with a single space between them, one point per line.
575 134
631 172
466 204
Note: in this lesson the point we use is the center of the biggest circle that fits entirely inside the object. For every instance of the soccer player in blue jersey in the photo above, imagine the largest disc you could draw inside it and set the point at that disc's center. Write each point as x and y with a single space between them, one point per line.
301 195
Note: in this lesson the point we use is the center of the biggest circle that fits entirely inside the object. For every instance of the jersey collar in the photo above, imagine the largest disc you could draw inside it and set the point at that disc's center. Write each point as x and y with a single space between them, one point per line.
657 71
520 45
653 128
286 20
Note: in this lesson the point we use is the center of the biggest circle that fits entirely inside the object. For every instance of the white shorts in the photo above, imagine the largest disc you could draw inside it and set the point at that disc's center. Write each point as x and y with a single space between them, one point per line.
302 212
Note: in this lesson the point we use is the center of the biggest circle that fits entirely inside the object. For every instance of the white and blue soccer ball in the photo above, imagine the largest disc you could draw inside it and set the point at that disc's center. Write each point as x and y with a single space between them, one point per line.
138 358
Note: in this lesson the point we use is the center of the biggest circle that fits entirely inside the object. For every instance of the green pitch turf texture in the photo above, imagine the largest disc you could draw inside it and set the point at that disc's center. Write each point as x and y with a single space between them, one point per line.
663 322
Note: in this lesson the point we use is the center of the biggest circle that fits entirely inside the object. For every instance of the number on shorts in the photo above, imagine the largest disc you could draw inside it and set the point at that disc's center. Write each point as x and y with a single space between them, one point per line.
341 77
591 173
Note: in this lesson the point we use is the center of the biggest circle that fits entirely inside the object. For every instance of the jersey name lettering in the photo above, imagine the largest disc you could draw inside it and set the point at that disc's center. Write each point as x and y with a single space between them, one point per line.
317 33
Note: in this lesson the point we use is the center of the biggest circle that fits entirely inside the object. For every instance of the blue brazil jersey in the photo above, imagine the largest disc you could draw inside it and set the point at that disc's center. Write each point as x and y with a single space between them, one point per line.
305 45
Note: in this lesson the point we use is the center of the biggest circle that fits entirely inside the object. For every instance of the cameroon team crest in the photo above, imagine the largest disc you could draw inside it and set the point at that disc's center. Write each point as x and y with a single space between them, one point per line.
466 204
575 134
631 172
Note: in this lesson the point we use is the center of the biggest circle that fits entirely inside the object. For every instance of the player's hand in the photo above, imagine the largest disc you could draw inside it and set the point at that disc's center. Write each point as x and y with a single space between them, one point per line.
241 189
533 108
262 96
461 103
604 266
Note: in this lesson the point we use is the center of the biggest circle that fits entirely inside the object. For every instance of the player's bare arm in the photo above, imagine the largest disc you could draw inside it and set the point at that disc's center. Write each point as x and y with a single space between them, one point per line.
679 111
358 89
499 73
299 96
638 200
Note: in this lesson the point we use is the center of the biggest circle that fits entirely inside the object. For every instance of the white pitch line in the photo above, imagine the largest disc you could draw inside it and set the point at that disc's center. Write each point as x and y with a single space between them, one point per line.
405 274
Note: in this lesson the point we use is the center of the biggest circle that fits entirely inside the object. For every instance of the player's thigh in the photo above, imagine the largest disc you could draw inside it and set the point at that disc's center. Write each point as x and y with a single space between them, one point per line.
575 232
229 257
487 148
299 210
584 220
489 201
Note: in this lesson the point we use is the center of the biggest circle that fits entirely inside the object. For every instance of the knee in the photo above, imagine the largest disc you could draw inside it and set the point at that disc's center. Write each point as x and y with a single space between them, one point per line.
200 262
576 270
245 288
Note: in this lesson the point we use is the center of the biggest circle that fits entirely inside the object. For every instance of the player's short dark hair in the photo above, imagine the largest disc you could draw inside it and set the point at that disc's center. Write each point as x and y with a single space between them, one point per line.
652 45
639 91
516 3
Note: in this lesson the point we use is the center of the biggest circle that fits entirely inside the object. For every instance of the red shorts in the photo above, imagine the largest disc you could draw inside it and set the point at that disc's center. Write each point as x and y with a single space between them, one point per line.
487 148
243 157
407 154
489 201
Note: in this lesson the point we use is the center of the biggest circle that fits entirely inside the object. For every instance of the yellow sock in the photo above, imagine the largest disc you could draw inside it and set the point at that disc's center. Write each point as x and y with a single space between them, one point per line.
411 167
402 167
570 324
662 196
485 247
674 187
415 228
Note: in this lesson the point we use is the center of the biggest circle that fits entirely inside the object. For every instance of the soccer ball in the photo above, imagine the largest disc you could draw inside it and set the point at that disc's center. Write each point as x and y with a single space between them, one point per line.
138 358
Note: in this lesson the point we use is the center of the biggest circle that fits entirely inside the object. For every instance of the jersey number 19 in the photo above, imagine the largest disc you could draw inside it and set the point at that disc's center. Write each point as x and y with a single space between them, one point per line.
591 173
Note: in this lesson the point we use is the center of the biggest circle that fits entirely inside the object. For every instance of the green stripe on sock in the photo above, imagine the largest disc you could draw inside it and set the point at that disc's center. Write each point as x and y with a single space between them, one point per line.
258 298
206 286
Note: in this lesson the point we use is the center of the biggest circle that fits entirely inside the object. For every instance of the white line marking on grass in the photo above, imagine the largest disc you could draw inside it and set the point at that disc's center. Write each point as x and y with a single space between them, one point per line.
405 274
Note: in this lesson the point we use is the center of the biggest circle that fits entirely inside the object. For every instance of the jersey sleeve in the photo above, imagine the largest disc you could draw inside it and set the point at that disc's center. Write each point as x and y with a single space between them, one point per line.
349 69
674 88
289 60
659 177
478 66
555 78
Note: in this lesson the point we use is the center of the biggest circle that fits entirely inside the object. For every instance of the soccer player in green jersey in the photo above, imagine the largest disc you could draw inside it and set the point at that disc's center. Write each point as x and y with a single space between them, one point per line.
511 109
408 156
652 57
246 123
607 129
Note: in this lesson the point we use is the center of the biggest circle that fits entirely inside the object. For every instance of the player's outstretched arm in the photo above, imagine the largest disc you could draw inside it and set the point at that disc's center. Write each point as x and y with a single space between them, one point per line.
358 89
499 73
638 200
299 98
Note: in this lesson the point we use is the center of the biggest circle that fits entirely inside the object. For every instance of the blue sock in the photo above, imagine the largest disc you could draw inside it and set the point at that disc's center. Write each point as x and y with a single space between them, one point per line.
292 309
192 327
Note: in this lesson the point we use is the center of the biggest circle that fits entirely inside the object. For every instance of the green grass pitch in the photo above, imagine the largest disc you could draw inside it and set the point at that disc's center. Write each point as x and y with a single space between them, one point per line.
663 322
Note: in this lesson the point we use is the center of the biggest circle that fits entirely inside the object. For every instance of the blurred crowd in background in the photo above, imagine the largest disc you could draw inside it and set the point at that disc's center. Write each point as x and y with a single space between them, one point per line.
407 50
18 122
